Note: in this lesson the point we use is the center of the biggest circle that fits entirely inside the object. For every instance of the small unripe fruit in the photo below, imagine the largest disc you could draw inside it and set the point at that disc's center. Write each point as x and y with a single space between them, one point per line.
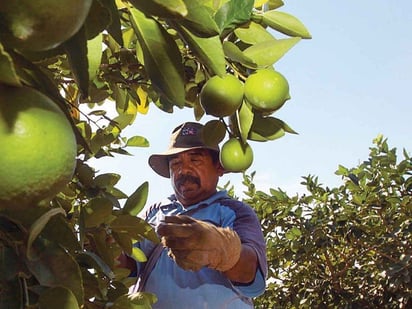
266 90
236 156
221 97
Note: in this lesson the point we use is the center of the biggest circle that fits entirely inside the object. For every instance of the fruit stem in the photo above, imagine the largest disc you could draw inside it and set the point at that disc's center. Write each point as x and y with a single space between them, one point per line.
227 127
25 291
257 17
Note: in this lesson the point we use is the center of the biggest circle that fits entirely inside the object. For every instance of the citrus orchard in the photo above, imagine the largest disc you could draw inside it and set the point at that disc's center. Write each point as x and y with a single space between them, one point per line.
41 24
221 96
266 90
38 147
236 156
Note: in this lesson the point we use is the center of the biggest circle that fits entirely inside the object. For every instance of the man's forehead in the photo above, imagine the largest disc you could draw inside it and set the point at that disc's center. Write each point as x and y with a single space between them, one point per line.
192 152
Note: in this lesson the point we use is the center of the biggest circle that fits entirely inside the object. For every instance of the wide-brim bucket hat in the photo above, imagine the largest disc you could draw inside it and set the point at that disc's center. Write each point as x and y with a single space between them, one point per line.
186 136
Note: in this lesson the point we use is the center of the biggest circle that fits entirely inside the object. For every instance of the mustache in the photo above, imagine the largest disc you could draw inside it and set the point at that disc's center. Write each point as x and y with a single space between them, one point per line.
187 178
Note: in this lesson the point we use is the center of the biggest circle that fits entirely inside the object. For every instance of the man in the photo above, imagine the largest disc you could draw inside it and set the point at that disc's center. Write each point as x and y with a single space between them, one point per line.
213 251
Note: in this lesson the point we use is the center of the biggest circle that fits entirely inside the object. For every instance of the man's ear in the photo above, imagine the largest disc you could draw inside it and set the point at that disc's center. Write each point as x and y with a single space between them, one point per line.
220 169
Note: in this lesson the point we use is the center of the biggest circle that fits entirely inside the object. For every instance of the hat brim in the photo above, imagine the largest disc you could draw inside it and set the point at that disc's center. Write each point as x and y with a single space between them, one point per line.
160 162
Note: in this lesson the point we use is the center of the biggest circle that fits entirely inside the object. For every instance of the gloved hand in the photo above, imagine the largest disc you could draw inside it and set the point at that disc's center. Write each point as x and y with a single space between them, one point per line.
193 243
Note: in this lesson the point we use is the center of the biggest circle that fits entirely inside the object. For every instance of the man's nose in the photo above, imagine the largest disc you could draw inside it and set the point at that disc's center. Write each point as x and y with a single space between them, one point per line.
185 168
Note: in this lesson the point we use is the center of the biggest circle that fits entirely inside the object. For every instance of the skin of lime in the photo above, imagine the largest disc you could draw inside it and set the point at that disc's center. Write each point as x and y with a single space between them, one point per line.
221 97
43 24
236 156
38 152
266 90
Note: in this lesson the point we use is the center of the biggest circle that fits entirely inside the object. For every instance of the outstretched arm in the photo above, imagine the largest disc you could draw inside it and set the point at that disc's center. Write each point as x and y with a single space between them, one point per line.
245 269
194 244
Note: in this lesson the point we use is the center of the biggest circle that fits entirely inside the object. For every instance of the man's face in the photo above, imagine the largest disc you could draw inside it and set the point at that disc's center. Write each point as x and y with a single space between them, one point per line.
194 175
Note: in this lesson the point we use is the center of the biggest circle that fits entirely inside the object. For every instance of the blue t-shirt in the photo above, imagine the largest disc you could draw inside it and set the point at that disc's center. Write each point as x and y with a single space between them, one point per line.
206 288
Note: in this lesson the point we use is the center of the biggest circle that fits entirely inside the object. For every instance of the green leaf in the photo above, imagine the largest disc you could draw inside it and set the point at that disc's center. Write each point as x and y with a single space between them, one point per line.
135 301
114 28
59 230
53 266
12 292
343 171
162 58
58 297
124 120
100 139
266 129
120 151
10 264
213 132
97 211
97 20
287 128
122 98
135 227
253 33
94 55
118 194
176 6
234 53
245 120
85 173
286 24
39 225
106 180
233 13
118 288
293 233
274 4
8 73
161 8
76 49
91 260
208 50
11 224
137 200
125 241
138 255
266 53
199 19
39 79
98 237
137 141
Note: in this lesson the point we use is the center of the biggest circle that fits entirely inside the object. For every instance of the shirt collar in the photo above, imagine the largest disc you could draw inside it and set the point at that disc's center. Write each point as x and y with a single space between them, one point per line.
213 198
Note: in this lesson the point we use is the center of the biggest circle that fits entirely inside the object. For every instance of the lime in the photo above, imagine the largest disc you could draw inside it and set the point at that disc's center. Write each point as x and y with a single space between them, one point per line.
266 90
236 156
221 96
38 147
41 24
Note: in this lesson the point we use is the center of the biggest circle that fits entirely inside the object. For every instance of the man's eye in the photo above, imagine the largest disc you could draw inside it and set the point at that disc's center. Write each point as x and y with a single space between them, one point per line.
196 160
173 164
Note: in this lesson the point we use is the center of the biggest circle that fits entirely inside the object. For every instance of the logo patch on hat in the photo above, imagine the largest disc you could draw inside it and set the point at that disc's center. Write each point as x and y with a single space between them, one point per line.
189 131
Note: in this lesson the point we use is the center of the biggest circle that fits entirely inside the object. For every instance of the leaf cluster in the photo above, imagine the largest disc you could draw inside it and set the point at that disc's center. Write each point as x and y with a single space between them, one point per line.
344 247
126 57
135 53
66 252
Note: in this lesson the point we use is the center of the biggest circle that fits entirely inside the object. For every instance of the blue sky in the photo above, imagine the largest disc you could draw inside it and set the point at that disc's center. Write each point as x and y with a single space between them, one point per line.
349 83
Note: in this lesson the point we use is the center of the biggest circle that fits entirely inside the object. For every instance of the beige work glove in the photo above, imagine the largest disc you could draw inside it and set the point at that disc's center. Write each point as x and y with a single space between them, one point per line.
193 243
